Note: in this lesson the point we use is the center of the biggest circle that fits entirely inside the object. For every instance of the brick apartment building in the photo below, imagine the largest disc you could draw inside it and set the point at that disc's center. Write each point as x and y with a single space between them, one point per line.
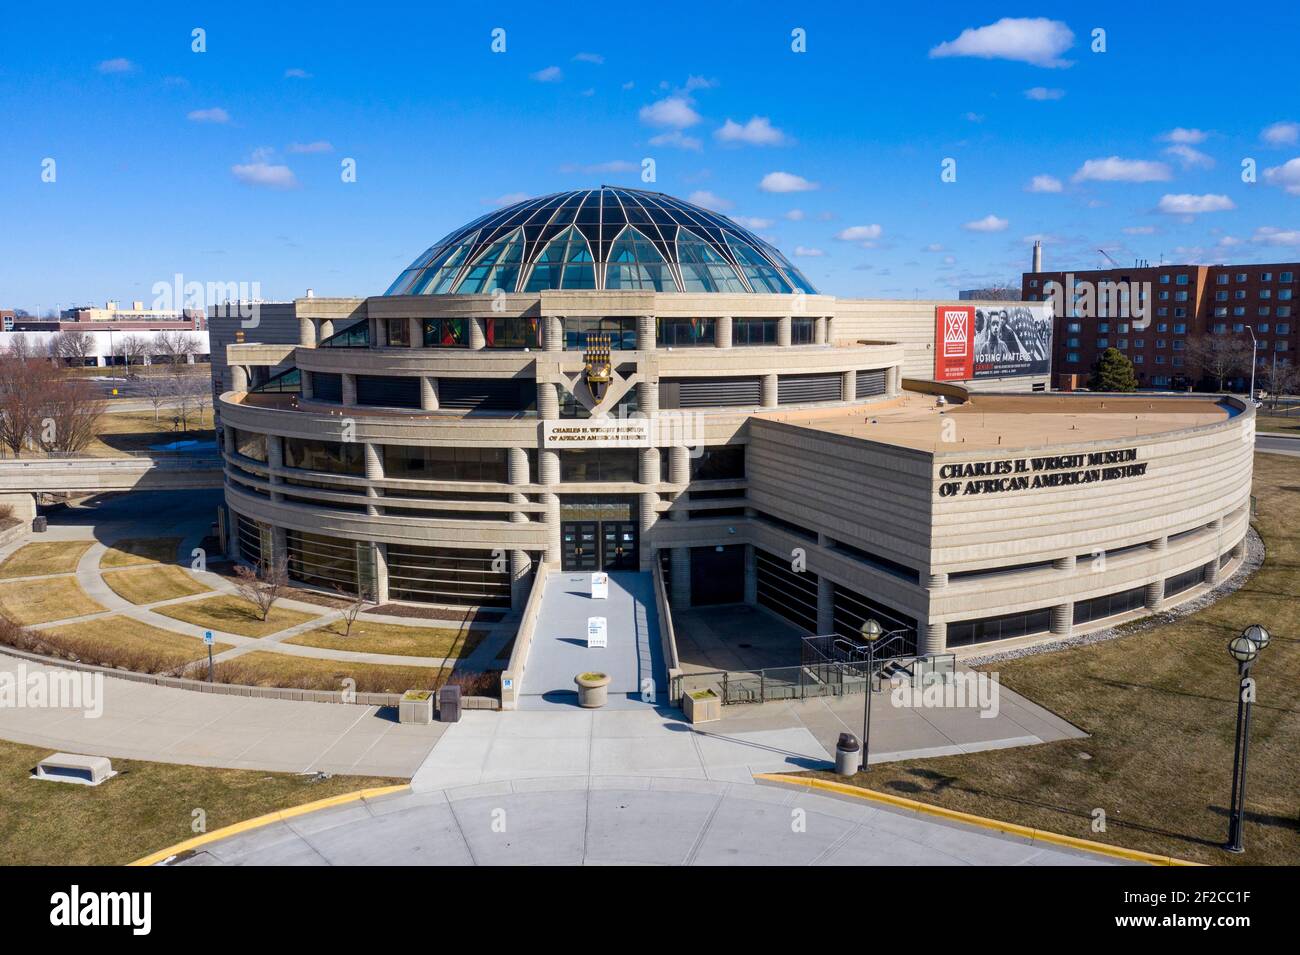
1188 301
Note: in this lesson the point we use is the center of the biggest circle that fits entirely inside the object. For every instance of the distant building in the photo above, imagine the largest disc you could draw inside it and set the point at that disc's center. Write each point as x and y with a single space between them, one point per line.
993 293
111 312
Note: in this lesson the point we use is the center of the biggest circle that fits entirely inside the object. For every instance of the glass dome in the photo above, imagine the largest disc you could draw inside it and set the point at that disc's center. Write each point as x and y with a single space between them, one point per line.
608 238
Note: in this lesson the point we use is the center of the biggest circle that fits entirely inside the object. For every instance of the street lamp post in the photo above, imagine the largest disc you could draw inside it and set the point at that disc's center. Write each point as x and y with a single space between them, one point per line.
1243 648
871 631
1254 360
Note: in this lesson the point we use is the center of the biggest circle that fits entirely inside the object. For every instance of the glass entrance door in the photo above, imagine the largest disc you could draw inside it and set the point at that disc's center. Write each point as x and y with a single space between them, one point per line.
618 547
581 545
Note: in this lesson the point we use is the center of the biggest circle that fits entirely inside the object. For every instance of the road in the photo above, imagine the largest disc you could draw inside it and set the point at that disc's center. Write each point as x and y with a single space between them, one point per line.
1277 444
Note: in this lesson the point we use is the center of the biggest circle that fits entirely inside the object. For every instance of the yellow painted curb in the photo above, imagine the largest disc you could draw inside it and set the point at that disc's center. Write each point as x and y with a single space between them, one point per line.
271 817
1011 828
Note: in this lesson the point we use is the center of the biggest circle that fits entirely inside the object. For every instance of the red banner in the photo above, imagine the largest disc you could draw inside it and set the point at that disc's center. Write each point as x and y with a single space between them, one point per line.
954 342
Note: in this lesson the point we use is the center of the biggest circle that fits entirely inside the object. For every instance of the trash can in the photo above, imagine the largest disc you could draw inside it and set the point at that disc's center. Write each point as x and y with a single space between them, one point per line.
39 524
847 753
449 704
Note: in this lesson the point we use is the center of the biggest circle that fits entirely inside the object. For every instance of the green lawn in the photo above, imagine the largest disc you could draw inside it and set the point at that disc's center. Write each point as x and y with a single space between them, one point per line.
1161 710
147 807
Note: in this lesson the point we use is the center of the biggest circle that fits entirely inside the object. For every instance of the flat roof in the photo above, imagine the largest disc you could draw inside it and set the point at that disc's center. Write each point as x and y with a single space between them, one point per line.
1009 421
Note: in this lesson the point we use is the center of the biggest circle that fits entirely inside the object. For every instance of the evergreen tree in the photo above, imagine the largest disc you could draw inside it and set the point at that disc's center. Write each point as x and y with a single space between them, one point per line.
1113 372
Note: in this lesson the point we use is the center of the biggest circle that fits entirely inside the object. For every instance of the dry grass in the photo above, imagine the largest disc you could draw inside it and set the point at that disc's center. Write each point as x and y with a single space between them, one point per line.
141 550
40 601
34 560
1279 424
147 807
146 585
113 642
125 431
263 668
1161 710
372 637
235 615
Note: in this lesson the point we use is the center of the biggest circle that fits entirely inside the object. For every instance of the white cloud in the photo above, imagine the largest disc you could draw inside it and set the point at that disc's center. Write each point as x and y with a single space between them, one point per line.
759 131
676 138
796 215
1140 230
614 165
1114 169
785 182
949 260
807 252
990 223
1285 176
214 115
1189 157
1027 40
699 83
1268 235
589 58
1188 137
296 73
1186 204
753 222
674 111
1043 93
266 175
933 247
1285 133
974 117
1044 183
549 74
119 64
509 199
702 197
859 233
629 84
319 146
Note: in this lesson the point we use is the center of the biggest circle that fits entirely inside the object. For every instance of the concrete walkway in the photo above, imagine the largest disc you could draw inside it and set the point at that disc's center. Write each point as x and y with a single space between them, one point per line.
142 721
633 660
624 820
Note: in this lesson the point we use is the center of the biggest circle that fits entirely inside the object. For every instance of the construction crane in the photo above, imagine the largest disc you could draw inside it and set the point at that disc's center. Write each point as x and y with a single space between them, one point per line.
1110 258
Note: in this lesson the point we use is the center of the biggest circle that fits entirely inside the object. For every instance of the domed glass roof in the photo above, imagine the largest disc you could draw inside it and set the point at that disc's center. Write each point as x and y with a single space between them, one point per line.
607 238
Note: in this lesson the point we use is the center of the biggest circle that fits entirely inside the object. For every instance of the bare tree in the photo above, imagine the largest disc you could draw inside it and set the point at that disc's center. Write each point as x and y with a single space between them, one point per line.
26 385
1280 380
73 346
134 347
192 397
1218 356
355 601
264 586
70 415
176 347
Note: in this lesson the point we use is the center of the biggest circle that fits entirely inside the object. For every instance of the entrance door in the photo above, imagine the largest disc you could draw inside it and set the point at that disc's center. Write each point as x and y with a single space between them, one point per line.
618 549
581 545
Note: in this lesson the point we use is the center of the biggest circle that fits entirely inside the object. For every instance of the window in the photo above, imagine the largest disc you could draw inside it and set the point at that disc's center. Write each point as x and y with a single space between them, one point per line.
1074 327
1180 328
1122 343
332 456
1221 280
1160 343
1140 343
397 332
250 445
621 332
497 267
703 269
1103 343
1280 345
634 263
1266 293
1241 276
600 464
565 263
1180 296
685 332
1266 277
966 632
1221 296
1239 310
1164 280
1110 605
723 462
802 330
1239 294
513 332
1286 277
754 331
1263 310
1283 328
1072 357
1138 359
1103 327
1162 311
1160 359
1180 312
1284 294
1182 280
1162 327
1072 343
455 463
1221 312
445 333
1238 328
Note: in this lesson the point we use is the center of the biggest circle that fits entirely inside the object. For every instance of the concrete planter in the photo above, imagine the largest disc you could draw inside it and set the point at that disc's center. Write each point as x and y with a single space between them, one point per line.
593 689
416 707
702 706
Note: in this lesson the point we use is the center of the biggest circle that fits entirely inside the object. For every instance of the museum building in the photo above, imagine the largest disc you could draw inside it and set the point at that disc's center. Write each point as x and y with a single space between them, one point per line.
614 379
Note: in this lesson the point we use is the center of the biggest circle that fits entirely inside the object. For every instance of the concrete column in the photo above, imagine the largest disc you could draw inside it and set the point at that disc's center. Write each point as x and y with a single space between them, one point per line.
274 461
849 385
1160 544
751 575
1238 548
232 535
646 333
548 400
679 465
1062 619
325 329
477 335
936 581
416 334
1066 564
1155 594
819 330
521 568
428 393
306 333
553 333
349 388
373 325
1216 524
933 638
894 380
228 442
238 378
722 332
680 561
517 472
554 550
1212 572
279 545
374 472
770 392
305 389
825 605
783 331
548 467
381 573
648 469
647 397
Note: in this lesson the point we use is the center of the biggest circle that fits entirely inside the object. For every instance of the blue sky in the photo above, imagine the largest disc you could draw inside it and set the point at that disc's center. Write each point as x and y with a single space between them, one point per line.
225 165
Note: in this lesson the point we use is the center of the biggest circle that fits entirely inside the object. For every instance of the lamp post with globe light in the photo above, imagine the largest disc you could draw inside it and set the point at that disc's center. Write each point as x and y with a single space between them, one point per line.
871 632
1244 648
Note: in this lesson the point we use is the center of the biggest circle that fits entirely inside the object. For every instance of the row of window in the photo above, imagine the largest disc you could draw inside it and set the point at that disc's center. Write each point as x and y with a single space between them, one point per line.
621 332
